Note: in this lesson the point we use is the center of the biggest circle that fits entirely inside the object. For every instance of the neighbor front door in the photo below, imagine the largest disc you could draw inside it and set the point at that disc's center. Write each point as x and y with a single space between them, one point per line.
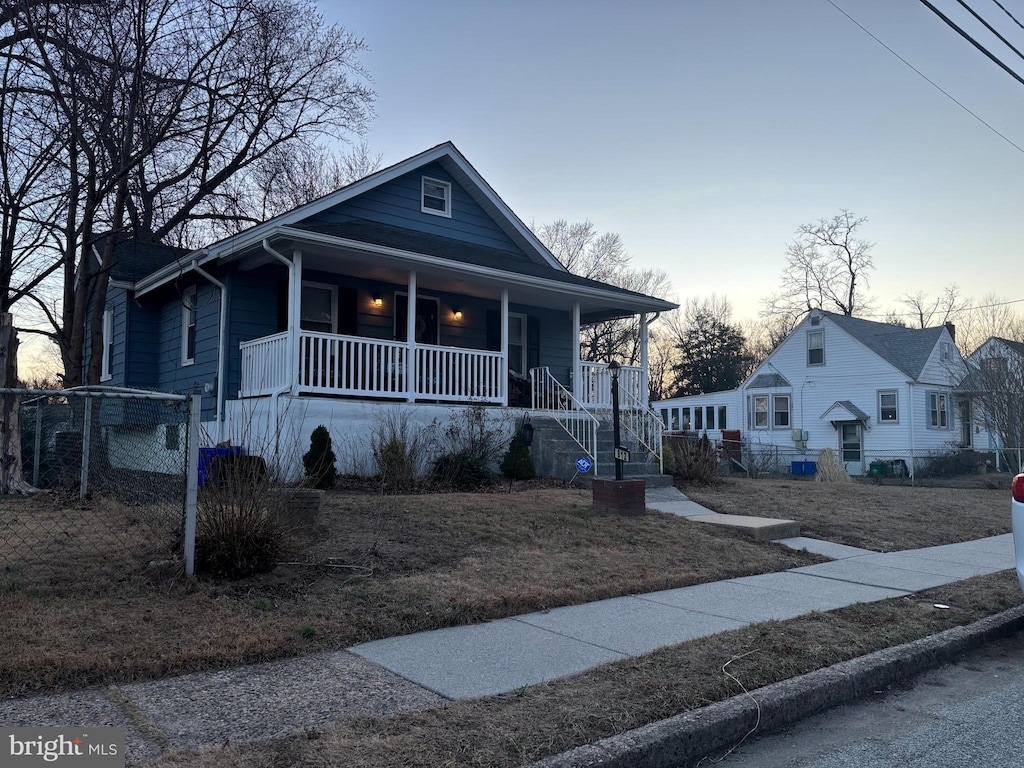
851 448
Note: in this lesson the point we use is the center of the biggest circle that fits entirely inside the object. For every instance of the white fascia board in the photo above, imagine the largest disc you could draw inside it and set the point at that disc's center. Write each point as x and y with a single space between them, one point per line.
640 304
172 271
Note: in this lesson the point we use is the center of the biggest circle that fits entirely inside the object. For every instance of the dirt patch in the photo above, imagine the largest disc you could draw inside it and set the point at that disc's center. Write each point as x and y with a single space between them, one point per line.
885 518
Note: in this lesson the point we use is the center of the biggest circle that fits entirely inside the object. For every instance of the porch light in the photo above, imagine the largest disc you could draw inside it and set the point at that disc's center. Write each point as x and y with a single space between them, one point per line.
378 302
458 314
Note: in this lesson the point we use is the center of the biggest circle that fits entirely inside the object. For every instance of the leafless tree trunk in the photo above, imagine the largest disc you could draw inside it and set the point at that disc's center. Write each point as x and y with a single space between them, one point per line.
11 476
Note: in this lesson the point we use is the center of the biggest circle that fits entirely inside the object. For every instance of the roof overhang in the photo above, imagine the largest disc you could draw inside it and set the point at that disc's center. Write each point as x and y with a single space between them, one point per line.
845 412
321 251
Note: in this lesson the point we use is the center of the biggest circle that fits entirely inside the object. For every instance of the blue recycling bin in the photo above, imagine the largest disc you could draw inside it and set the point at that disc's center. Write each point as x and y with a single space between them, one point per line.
207 455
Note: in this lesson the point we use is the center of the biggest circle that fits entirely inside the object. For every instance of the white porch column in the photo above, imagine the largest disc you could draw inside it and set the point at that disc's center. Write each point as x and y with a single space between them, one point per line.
577 371
504 347
645 388
410 339
295 319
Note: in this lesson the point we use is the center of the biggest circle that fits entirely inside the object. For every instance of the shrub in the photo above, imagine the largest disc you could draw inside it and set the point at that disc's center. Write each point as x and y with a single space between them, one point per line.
517 463
463 470
238 531
398 451
695 459
950 464
319 460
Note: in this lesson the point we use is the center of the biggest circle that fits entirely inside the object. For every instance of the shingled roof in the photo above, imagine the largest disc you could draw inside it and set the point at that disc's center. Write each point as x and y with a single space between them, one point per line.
133 260
907 349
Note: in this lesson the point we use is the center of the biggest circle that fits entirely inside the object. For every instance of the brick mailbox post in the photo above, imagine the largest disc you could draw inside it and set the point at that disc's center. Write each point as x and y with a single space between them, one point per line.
623 497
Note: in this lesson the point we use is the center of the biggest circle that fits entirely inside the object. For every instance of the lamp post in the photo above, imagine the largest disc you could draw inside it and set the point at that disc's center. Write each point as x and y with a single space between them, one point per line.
613 369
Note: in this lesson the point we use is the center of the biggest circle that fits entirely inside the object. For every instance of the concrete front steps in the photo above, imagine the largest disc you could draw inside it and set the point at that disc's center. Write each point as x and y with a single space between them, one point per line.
555 454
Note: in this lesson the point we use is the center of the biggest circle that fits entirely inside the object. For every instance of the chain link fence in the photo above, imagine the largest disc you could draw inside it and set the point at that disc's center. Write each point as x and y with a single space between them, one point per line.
765 460
111 469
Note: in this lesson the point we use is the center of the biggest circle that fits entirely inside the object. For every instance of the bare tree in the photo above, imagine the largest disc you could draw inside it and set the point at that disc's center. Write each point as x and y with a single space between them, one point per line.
990 317
997 377
827 267
711 348
926 312
163 103
582 251
764 335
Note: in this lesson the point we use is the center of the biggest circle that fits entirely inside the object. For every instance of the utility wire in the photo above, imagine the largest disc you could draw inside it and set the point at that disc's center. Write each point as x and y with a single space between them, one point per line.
974 42
1003 7
935 85
956 311
990 28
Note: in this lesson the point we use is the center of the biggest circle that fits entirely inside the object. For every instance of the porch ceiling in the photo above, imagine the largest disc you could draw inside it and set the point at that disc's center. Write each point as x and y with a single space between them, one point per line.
388 265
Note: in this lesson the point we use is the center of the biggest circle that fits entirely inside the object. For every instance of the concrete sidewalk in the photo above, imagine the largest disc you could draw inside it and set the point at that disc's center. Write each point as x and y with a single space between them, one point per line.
425 670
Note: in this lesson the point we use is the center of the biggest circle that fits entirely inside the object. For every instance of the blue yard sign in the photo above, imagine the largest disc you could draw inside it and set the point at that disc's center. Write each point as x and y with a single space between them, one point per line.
583 464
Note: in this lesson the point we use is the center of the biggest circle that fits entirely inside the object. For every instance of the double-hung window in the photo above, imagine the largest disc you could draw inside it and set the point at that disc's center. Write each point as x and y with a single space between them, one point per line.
815 347
780 410
107 370
188 326
938 410
436 197
761 412
888 407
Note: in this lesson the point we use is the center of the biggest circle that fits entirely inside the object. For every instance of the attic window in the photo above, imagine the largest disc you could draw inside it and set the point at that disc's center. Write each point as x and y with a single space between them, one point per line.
816 348
437 197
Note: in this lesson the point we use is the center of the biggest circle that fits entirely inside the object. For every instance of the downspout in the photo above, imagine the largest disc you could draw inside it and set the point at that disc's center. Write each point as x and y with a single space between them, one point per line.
910 410
276 394
221 346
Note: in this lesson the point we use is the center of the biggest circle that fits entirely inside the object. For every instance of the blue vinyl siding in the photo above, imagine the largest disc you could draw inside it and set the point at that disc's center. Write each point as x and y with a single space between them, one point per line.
143 345
172 375
118 302
398 204
555 339
252 308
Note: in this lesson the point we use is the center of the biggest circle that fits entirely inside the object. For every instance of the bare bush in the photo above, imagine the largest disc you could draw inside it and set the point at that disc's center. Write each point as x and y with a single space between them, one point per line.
695 459
399 450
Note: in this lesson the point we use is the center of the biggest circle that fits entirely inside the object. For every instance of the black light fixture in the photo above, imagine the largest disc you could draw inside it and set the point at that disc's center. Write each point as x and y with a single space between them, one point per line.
526 431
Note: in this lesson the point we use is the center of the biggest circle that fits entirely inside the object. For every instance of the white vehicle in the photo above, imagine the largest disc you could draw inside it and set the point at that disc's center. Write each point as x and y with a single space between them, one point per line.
1017 506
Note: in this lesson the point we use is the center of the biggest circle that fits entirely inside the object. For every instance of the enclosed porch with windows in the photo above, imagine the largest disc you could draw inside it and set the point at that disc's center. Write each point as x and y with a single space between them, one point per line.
340 325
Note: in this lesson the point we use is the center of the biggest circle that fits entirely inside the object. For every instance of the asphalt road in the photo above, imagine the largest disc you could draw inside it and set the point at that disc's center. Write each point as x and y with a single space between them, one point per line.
966 714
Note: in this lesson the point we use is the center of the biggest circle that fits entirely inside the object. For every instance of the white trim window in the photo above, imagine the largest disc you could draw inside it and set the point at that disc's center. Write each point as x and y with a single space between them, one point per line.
436 197
815 347
517 342
947 351
760 411
780 412
318 307
107 366
938 410
188 326
888 406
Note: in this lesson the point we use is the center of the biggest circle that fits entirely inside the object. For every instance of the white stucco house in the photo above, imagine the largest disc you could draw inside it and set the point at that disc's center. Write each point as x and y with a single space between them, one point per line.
870 391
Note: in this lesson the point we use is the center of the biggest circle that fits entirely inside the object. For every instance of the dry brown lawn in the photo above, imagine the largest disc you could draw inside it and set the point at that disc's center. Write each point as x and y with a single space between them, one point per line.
374 567
885 518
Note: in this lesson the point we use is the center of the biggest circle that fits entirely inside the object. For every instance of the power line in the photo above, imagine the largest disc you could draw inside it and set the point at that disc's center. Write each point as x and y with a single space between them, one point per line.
990 28
929 80
1003 8
955 311
952 24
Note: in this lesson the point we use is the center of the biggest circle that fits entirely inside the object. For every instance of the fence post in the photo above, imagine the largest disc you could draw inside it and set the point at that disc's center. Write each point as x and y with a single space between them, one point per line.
192 483
83 487
37 450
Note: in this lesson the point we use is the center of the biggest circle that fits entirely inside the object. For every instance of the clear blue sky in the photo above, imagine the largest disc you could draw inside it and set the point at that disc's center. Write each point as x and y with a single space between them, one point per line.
704 132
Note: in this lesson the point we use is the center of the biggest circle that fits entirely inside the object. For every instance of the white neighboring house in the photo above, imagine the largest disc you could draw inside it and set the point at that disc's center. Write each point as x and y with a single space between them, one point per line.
995 384
870 391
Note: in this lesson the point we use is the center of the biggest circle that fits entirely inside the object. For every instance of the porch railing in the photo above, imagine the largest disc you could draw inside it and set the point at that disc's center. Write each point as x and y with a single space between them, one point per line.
352 365
570 413
264 365
643 423
596 384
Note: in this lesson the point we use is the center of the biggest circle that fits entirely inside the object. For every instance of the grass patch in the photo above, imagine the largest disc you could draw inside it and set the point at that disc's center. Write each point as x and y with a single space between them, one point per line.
520 727
885 518
375 567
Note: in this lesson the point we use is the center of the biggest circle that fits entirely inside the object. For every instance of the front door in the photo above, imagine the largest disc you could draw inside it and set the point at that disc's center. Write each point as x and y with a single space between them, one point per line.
427 316
851 448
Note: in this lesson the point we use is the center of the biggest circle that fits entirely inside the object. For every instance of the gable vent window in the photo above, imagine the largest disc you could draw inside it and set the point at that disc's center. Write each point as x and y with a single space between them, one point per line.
437 197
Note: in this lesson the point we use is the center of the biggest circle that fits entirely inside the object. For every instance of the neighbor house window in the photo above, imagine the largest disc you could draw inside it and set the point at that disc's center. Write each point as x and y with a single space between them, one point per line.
947 351
686 418
188 326
172 437
698 418
761 412
721 417
108 345
816 348
938 410
437 197
709 419
781 411
888 411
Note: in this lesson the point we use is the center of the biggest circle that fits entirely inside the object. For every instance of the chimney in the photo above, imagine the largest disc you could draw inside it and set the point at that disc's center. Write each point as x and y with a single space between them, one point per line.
952 331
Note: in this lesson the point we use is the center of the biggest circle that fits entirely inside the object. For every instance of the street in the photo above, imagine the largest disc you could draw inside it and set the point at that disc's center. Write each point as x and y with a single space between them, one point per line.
967 714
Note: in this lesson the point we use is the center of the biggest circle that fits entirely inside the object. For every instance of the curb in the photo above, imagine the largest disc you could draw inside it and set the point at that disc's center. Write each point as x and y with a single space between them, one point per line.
686 738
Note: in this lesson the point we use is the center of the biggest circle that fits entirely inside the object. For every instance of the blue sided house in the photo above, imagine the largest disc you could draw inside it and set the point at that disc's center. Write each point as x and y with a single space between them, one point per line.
415 290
